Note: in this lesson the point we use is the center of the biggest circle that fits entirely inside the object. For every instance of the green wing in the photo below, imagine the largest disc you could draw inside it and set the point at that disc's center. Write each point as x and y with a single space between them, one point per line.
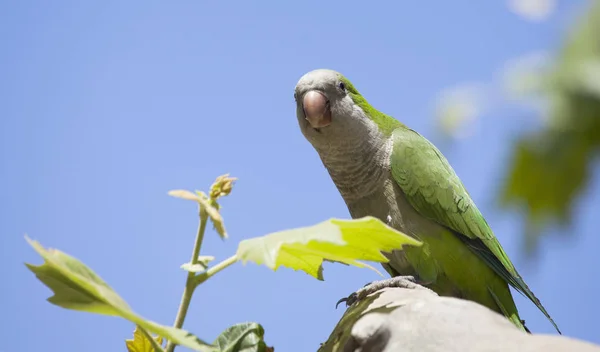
435 191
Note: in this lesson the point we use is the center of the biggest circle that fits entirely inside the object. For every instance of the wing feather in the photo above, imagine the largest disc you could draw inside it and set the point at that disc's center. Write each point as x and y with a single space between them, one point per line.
435 191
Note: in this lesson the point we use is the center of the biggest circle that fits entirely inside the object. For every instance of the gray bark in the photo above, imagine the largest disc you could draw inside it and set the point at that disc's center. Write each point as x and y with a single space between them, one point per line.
400 319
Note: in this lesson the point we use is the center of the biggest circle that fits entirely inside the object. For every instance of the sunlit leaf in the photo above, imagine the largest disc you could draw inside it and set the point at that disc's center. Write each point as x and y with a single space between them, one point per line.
140 343
77 287
206 205
243 337
344 241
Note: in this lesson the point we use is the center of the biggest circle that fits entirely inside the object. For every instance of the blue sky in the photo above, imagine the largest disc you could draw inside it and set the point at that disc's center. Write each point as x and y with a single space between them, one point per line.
107 105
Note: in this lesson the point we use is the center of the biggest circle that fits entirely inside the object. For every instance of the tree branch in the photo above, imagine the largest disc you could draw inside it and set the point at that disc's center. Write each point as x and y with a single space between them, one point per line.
400 319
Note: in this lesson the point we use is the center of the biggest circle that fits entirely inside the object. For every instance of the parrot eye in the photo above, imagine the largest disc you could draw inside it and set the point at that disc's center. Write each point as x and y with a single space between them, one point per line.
342 86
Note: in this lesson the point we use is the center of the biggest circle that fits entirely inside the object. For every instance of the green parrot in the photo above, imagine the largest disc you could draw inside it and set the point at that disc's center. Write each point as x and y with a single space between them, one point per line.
384 169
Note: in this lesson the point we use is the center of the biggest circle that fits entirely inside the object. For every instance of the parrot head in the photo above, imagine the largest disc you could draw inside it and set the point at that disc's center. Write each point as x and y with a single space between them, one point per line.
329 110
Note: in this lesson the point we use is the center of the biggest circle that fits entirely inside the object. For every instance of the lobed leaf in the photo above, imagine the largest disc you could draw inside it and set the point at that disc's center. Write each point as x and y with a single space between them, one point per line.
337 240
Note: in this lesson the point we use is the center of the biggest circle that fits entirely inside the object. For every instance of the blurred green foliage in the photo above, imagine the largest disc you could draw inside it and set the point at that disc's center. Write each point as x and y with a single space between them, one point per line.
551 167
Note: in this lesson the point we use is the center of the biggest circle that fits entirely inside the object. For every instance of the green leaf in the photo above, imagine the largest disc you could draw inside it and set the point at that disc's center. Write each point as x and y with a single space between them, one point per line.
140 343
212 209
206 205
243 337
552 166
344 241
202 264
77 287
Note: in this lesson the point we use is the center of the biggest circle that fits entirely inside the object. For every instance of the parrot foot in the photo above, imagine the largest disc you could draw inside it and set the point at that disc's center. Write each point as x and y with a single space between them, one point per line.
398 281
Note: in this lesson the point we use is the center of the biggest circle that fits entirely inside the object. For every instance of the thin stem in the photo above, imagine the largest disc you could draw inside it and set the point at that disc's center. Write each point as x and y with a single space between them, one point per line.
214 269
153 342
199 238
188 291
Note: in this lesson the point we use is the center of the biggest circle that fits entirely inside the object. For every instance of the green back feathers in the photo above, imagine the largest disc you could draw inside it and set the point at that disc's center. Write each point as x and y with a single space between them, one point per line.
432 187
386 123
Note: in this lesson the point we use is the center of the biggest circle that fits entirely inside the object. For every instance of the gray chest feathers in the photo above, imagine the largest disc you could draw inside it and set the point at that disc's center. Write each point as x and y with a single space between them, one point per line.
358 169
368 188
389 204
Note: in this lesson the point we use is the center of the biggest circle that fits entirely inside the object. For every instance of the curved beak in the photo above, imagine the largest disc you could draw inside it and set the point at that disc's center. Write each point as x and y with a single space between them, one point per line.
316 109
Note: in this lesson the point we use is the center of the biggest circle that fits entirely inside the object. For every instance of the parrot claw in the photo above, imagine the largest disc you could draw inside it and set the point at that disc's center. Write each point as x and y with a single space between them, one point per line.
398 281
348 299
